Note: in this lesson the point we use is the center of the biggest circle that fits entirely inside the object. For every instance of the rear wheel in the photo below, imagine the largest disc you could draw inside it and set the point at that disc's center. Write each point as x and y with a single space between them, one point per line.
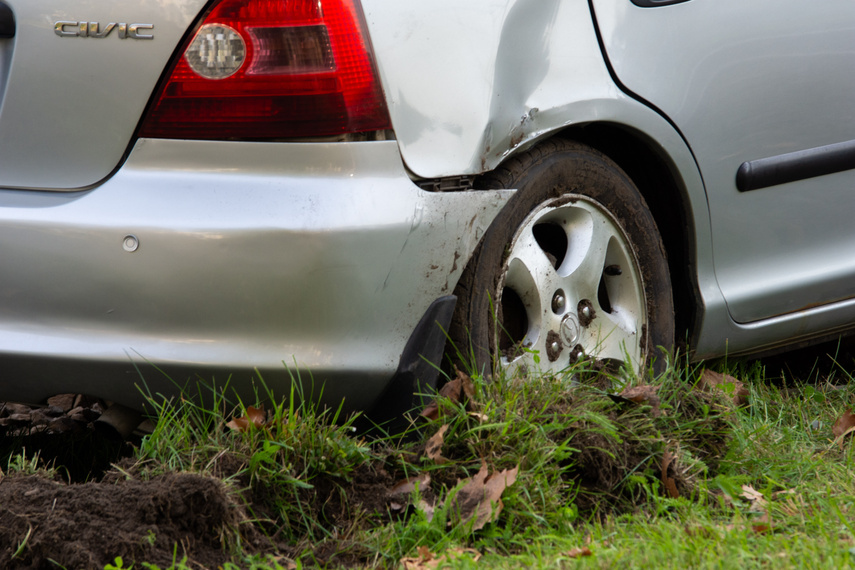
573 268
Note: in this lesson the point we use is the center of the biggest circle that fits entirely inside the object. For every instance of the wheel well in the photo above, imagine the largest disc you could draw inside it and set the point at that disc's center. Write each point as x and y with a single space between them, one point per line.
658 184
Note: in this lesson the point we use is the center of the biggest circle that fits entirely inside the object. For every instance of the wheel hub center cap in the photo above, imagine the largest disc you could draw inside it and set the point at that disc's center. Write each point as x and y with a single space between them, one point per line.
570 329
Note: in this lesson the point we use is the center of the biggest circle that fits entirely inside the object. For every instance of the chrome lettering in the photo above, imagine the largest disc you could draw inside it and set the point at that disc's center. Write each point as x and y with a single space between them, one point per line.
133 31
66 29
59 29
94 32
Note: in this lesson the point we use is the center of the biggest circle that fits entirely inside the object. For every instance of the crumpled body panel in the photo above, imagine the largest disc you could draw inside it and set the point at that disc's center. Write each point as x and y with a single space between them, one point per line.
521 68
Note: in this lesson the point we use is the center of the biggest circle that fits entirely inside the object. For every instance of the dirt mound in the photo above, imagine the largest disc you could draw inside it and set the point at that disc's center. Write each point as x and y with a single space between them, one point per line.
44 522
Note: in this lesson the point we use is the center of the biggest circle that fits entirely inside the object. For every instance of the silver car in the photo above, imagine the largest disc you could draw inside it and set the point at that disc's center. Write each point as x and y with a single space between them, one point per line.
234 188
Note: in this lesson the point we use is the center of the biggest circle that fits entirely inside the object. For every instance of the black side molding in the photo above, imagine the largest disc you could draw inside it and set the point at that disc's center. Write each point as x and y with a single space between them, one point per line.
656 3
7 21
794 166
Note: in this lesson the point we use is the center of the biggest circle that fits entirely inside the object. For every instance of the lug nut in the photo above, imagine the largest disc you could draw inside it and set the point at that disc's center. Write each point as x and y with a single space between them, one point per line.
558 302
555 347
585 311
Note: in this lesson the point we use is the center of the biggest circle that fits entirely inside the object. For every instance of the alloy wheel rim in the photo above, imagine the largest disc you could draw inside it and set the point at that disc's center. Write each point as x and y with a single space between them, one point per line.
571 290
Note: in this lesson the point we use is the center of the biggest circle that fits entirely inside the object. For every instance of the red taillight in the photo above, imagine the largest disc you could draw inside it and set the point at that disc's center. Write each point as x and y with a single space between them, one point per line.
271 69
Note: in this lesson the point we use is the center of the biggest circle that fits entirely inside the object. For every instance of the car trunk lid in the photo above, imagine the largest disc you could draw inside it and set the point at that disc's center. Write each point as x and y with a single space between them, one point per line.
74 82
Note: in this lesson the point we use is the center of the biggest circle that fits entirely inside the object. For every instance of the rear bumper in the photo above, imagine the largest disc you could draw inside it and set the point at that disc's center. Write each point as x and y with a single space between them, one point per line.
322 256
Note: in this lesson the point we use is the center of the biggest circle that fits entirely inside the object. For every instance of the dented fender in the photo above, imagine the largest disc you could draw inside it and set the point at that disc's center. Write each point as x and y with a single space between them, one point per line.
523 68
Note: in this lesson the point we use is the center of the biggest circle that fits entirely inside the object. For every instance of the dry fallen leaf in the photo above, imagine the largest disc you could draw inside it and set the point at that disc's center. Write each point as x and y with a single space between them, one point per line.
670 484
578 552
711 380
753 495
427 560
453 553
480 496
844 425
285 562
407 486
645 394
763 524
423 560
433 448
451 390
468 387
255 417
426 508
457 390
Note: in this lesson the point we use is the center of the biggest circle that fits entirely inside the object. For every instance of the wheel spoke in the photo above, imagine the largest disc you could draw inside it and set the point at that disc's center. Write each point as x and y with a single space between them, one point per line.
585 278
540 280
614 337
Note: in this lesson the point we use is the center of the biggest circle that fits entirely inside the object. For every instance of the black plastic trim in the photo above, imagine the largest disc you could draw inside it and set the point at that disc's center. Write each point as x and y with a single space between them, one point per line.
418 370
656 3
794 166
7 21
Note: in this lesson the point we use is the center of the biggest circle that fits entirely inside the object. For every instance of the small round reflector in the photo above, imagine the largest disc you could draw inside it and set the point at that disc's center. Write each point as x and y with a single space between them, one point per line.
216 52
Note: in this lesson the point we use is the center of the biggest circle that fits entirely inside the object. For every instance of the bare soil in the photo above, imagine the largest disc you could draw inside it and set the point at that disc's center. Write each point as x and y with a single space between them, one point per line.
44 522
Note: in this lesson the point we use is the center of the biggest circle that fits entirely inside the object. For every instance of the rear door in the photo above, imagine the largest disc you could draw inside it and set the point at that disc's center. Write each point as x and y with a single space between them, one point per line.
75 77
767 86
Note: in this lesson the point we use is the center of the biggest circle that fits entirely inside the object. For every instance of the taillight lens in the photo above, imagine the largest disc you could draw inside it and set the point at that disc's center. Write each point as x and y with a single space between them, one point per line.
271 69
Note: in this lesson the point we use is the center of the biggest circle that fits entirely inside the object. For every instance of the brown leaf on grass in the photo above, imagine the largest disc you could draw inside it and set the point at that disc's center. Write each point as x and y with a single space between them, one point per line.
670 484
399 495
407 486
458 390
426 508
427 560
578 552
433 448
726 383
758 501
284 562
454 553
451 390
645 394
844 425
762 524
468 387
480 496
255 417
423 560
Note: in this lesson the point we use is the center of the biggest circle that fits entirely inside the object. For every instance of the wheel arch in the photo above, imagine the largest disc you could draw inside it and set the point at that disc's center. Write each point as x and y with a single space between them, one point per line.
658 180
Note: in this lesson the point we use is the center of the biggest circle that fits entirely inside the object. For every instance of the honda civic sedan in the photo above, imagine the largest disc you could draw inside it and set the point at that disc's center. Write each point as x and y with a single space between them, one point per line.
341 190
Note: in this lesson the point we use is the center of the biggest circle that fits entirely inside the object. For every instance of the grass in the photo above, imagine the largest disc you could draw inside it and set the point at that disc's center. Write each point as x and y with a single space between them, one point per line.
684 477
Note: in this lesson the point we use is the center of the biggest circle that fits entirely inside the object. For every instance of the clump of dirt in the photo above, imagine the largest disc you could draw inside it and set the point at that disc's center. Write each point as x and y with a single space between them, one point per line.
339 505
63 433
44 523
674 433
